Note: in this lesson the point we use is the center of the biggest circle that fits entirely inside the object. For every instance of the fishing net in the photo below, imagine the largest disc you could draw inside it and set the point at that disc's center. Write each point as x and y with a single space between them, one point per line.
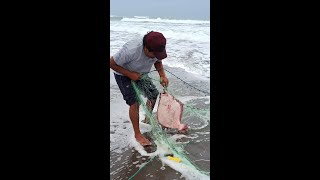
160 137
190 111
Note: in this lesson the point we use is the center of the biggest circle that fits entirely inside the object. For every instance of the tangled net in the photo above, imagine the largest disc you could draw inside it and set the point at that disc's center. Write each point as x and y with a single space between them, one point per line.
160 137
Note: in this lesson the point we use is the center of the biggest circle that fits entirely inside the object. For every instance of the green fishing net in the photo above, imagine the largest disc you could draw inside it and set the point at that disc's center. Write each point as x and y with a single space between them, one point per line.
158 134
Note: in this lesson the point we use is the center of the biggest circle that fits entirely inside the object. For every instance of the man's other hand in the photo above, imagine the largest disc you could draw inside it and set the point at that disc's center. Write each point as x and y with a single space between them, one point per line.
135 76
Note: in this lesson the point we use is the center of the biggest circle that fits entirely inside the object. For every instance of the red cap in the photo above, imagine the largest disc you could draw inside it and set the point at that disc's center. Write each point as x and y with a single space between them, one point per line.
156 42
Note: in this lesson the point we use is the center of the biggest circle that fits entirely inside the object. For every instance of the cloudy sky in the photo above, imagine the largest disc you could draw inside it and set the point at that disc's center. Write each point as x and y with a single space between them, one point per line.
182 9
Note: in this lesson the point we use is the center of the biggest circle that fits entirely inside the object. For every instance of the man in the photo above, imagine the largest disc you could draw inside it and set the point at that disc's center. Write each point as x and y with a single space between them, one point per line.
129 63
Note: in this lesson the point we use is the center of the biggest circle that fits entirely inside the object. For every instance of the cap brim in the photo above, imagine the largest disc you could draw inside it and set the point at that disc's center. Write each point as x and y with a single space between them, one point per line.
161 55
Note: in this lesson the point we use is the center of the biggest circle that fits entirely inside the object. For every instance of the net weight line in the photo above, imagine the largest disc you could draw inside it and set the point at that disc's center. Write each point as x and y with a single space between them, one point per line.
205 92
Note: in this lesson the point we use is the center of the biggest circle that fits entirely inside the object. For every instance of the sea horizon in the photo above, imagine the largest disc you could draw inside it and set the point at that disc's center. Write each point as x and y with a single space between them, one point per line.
161 17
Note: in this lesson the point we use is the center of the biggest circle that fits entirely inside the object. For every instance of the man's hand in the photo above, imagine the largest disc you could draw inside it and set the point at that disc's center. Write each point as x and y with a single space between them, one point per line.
164 81
134 76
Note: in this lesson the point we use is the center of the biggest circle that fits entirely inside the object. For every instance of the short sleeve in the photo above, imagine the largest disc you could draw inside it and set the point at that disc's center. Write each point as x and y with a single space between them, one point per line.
121 57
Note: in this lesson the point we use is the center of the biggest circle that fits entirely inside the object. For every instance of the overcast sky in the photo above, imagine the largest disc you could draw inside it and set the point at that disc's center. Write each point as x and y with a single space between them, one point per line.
185 9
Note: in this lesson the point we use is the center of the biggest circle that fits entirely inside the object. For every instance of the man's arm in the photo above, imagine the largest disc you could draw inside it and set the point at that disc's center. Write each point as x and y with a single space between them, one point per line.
132 75
163 77
159 67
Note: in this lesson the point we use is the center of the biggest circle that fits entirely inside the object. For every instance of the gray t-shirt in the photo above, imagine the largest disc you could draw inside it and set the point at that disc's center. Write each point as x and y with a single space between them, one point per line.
132 57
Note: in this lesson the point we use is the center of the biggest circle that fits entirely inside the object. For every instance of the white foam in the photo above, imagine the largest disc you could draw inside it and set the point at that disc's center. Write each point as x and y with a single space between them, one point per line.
186 171
204 133
141 17
178 136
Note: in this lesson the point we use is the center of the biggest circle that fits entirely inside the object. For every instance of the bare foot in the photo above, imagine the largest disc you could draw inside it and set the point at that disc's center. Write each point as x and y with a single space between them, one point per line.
142 140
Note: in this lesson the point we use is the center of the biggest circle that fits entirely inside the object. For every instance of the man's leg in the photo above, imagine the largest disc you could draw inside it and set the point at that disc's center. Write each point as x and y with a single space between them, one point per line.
150 105
134 117
151 93
129 96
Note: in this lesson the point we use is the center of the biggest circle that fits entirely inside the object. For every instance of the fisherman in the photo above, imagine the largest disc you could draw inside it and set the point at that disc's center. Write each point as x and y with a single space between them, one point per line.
135 58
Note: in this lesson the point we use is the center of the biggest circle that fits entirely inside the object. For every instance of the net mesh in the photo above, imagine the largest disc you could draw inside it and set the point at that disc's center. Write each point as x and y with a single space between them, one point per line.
160 137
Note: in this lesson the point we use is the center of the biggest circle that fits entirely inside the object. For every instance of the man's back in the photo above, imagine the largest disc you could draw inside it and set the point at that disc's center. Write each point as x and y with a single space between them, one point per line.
132 57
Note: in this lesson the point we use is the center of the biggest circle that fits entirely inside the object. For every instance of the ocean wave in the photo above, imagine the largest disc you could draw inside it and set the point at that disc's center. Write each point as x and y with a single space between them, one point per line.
116 18
141 17
160 20
188 44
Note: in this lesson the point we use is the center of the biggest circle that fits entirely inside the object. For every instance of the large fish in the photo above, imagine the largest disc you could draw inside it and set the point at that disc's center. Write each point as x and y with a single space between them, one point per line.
170 112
